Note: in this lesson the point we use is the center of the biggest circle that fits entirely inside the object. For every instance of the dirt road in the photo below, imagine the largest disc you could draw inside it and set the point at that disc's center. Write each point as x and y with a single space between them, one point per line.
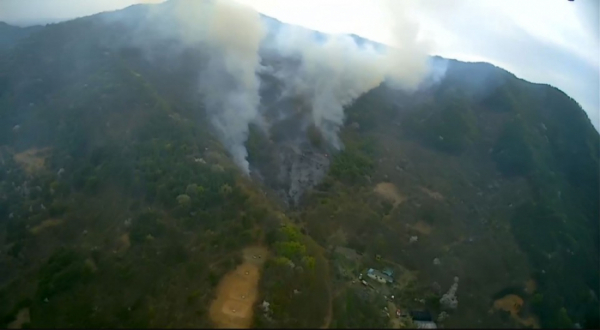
394 321
238 291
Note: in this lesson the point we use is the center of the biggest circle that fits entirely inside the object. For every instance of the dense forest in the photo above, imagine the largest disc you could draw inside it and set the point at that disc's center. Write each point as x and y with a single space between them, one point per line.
121 207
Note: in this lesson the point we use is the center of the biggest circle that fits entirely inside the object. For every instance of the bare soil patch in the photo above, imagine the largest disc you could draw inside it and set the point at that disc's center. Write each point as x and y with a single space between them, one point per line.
238 291
512 304
388 191
394 321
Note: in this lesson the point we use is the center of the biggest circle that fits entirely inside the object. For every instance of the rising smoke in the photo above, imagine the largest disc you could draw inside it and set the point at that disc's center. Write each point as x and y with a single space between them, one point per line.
335 71
227 35
231 91
332 73
229 84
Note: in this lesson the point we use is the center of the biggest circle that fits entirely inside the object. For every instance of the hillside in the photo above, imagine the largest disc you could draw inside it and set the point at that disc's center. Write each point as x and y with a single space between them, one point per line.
11 34
123 203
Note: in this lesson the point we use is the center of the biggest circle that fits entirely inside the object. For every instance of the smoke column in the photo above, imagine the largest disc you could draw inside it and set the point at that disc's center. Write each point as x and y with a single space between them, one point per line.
229 34
231 89
335 71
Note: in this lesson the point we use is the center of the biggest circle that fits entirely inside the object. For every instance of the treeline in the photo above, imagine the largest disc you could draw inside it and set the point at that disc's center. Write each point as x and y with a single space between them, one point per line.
448 125
294 281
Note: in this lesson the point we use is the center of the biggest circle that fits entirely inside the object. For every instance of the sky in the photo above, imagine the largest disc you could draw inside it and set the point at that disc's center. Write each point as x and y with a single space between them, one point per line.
554 42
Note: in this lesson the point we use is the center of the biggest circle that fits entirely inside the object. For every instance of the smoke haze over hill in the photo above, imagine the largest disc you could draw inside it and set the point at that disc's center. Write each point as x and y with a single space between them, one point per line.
333 70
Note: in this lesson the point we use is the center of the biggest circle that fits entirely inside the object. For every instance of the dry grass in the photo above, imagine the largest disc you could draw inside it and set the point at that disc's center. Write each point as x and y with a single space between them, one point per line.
237 292
32 160
433 194
422 227
513 304
46 224
510 303
388 191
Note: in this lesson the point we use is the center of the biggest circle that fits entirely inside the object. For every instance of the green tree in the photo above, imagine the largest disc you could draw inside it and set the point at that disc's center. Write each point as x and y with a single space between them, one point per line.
562 320
309 262
183 200
290 250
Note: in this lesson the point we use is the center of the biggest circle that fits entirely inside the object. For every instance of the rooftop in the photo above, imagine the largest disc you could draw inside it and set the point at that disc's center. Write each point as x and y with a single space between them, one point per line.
376 272
420 315
425 325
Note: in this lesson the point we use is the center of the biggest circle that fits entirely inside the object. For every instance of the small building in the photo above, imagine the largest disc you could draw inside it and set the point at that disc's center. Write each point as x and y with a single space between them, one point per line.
420 315
422 319
425 324
379 276
389 272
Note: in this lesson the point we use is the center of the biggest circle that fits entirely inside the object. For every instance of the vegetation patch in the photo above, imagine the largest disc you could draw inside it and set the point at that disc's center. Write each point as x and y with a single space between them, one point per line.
22 318
32 160
45 225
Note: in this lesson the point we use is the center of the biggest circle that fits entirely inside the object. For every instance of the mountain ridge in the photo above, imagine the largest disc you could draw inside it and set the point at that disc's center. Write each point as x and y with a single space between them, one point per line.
494 175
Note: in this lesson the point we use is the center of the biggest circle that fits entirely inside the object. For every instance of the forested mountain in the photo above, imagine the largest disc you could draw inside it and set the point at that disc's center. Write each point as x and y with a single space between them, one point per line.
11 34
124 202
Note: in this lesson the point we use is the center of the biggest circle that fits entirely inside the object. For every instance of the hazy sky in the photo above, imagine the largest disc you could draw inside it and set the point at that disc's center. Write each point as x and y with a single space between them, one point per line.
546 41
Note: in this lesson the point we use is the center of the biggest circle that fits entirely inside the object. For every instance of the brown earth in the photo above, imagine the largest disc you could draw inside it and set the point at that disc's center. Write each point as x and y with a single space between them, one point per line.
45 224
238 291
388 191
394 320
512 304
422 227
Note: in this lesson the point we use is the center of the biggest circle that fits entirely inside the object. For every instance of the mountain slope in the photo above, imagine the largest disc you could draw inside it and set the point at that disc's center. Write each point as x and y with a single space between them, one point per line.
11 34
120 207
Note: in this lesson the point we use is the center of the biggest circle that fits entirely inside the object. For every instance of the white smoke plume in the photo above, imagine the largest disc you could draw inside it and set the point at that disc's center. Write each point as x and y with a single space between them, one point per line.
335 72
231 34
232 89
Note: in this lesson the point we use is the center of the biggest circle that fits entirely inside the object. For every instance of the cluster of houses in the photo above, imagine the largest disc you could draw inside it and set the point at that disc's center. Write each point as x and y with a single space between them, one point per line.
422 319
